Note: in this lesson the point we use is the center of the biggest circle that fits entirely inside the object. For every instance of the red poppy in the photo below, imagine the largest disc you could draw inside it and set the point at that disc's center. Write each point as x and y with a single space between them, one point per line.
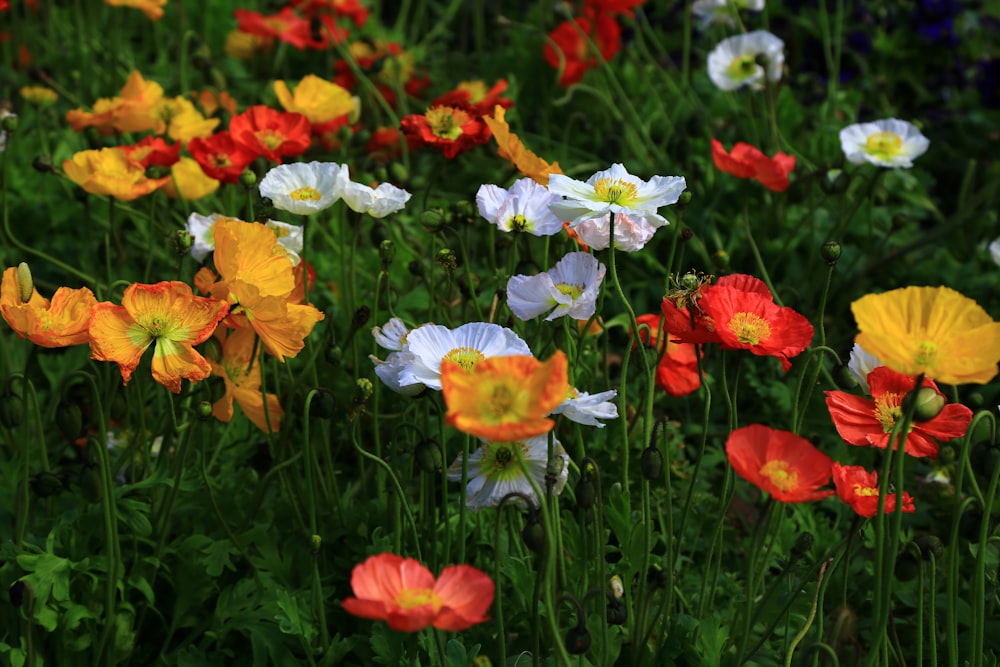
615 6
271 133
404 594
781 463
450 130
387 64
752 321
220 157
684 312
677 372
569 40
746 161
349 9
475 97
859 488
865 422
153 150
385 144
286 26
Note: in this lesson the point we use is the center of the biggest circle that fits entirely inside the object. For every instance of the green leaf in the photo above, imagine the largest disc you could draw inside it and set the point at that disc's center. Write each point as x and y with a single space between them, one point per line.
291 621
49 574
387 645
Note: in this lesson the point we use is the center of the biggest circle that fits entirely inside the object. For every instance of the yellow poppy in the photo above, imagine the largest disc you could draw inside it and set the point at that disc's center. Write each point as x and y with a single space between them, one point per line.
317 99
109 171
241 374
57 323
513 150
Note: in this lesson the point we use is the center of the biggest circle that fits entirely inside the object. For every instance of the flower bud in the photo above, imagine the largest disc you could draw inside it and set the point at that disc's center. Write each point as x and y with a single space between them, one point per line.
928 404
830 252
464 212
578 640
617 587
947 454
930 545
533 534
651 464
361 317
835 182
428 456
248 179
448 260
9 123
386 253
844 378
204 410
315 541
432 219
25 285
11 409
182 240
907 566
585 492
322 405
90 485
416 268
685 198
334 354
43 164
46 485
721 259
398 172
69 419
381 174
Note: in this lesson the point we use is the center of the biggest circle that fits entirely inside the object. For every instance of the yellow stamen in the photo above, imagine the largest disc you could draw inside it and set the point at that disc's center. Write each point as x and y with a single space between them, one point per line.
885 145
616 191
305 193
750 328
781 475
466 357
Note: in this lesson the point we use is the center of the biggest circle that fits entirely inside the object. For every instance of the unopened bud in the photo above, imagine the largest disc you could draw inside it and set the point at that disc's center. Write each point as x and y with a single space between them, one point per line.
25 285
721 259
907 566
447 259
43 164
248 179
428 456
830 252
930 545
46 485
9 123
432 219
316 542
361 316
464 211
416 268
844 378
578 640
11 409
69 419
182 240
651 464
399 172
533 535
322 405
928 404
585 492
685 198
363 389
204 410
617 587
386 252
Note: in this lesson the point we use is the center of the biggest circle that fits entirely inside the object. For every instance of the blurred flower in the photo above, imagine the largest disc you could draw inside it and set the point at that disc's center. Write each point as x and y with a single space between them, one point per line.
202 229
167 314
387 65
474 96
677 371
523 208
465 345
448 129
270 133
584 408
745 161
504 397
240 371
153 9
931 330
180 120
39 95
623 7
349 9
404 594
302 188
884 143
722 11
567 45
732 64
133 110
859 488
385 144
109 171
188 180
220 157
616 191
495 470
211 101
569 288
246 45
317 99
289 239
865 422
286 26
153 150
511 148
995 251
780 463
57 323
860 365
376 202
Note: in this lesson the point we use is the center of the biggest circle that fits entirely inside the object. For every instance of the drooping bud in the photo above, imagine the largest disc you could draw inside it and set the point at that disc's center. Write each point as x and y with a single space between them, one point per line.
578 640
386 253
651 464
432 219
322 405
830 252
930 545
428 456
907 566
11 409
585 492
69 419
844 378
533 534
928 404
90 485
361 316
25 285
46 485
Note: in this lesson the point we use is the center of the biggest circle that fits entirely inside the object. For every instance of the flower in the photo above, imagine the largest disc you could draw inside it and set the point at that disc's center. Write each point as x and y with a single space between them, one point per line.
511 148
270 133
286 26
631 234
246 45
677 371
859 488
240 371
132 111
523 208
623 7
865 422
404 594
745 161
781 463
167 314
722 11
885 143
188 180
584 408
319 100
474 96
39 95
301 187
860 365
571 53
392 334
504 397
683 308
448 129
616 191
495 470
60 322
994 249
465 345
569 288
752 321
109 171
153 150
202 231
289 239
376 202
153 9
732 64
931 330
220 157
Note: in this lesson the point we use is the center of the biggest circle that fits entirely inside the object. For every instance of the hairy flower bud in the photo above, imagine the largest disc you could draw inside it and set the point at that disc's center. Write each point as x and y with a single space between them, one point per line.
651 463
25 285
428 456
830 252
928 404
448 260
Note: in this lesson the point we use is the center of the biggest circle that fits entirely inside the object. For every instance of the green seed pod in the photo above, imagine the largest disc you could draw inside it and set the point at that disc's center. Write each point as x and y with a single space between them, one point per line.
204 410
929 404
25 285
844 378
830 252
930 545
685 198
182 240
45 484
381 174
11 409
334 354
464 211
428 456
651 464
316 542
578 640
432 219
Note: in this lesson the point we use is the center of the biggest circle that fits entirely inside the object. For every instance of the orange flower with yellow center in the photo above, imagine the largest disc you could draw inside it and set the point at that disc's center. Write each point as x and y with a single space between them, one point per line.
446 122
781 463
503 398
57 323
167 314
241 373
109 171
752 321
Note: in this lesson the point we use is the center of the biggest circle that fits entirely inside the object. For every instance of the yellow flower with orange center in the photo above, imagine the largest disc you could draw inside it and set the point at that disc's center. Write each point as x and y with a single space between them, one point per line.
504 398
167 314
57 323
317 99
109 171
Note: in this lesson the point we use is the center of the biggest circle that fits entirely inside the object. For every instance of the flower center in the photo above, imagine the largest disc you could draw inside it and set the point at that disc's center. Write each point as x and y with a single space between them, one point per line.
305 193
446 122
926 354
782 475
888 408
743 67
466 357
499 460
884 144
616 191
220 160
865 491
749 328
409 598
519 223
572 291
500 403
269 138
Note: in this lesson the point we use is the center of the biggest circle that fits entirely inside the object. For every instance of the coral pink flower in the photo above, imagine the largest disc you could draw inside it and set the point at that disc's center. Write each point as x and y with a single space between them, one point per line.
859 488
781 463
746 161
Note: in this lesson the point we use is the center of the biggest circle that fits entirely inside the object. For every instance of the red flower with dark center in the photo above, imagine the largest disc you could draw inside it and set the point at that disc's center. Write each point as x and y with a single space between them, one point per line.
677 371
781 463
746 161
859 488
271 133
153 150
220 157
568 38
450 130
865 422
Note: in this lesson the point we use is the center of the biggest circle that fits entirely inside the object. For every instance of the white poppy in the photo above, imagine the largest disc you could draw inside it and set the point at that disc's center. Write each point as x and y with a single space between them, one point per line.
523 208
631 234
302 187
885 143
289 239
376 202
569 288
732 64
616 191
585 409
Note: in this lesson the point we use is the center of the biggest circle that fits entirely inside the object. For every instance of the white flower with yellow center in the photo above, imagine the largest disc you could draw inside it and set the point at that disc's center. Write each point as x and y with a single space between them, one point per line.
376 202
392 334
569 288
723 12
303 188
616 191
523 208
289 239
586 409
465 346
885 143
733 63
498 468
202 229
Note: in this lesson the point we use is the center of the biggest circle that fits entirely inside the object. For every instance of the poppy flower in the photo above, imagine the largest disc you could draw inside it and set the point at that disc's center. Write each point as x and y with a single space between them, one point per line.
153 150
932 330
286 26
475 96
733 63
220 157
448 129
167 314
511 148
240 371
623 7
885 143
317 99
270 133
683 306
569 288
404 594
585 408
301 187
859 488
677 370
211 101
522 208
746 161
189 180
109 171
61 322
377 202
131 111
865 422
572 52
153 9
349 9
385 144
181 121
781 463
504 398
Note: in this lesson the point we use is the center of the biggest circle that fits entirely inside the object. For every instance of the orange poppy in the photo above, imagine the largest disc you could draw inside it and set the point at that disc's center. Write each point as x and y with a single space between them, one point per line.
132 111
781 463
241 373
450 130
109 171
859 488
57 323
270 133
